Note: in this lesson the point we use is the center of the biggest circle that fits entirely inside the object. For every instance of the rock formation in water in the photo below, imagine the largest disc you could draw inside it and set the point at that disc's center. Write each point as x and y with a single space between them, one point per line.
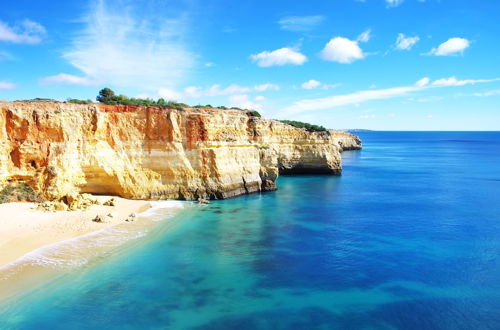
136 152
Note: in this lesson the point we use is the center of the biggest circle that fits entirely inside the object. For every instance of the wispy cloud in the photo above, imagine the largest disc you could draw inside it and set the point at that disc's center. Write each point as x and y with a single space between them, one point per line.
488 93
279 57
5 56
25 32
376 94
311 84
67 79
453 46
7 86
406 43
365 36
453 81
243 101
121 47
266 87
301 23
196 92
393 3
314 84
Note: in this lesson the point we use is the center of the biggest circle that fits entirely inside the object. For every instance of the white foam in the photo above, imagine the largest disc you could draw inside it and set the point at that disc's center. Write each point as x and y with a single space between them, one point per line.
161 210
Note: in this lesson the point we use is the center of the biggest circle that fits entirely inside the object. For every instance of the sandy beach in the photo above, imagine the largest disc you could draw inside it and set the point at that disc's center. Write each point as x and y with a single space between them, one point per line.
24 229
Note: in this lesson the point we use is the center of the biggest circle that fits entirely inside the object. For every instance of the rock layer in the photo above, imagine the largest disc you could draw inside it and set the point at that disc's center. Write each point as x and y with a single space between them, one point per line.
156 153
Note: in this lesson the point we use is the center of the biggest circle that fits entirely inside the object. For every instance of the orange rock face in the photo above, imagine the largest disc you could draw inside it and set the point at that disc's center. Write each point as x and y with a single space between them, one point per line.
155 153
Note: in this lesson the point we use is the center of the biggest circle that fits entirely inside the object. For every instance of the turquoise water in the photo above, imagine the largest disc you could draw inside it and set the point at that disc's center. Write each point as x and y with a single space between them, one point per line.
407 238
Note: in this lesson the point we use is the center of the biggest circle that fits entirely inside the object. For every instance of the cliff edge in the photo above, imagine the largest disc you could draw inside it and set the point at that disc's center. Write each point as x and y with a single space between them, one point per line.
156 153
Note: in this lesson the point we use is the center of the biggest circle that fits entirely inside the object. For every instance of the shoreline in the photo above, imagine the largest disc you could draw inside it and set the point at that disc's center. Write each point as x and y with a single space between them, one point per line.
36 246
24 229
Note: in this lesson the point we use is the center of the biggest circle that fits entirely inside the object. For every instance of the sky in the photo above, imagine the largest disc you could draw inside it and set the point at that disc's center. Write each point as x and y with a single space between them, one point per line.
370 64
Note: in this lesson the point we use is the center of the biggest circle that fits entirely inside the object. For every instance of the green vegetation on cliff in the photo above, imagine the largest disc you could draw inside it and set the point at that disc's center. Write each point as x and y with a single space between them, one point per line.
253 113
19 193
77 101
307 126
107 96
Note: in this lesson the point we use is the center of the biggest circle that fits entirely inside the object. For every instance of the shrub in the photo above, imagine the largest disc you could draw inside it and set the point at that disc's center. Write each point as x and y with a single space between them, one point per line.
107 96
176 105
307 126
38 99
77 101
19 193
253 113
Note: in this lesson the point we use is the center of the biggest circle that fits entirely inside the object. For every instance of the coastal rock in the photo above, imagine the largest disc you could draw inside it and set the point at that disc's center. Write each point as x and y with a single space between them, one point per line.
63 149
345 140
78 201
98 218
110 202
52 206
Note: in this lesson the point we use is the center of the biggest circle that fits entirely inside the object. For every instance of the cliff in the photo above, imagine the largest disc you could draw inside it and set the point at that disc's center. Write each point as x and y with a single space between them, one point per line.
156 153
345 140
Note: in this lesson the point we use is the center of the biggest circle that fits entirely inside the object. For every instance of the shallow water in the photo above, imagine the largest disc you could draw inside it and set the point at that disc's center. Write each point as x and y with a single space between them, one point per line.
407 238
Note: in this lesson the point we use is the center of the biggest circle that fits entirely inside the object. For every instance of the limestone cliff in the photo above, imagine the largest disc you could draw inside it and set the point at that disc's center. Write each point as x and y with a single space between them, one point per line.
345 140
155 153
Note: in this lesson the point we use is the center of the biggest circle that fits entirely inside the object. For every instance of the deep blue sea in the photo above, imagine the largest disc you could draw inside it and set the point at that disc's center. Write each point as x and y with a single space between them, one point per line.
407 238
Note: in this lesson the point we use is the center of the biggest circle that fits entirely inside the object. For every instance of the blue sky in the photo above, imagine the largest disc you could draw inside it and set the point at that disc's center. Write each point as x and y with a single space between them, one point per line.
375 64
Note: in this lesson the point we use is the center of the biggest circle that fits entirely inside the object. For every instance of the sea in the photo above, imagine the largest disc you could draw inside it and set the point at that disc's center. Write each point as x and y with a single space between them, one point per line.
407 238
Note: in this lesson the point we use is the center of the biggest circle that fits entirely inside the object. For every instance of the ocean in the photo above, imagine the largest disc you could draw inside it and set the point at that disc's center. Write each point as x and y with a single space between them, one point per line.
407 238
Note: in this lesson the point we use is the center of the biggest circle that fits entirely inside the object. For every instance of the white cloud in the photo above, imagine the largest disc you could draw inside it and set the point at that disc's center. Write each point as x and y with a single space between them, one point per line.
314 84
266 87
5 56
329 86
259 98
66 79
423 82
279 57
406 43
122 48
453 81
243 101
376 94
311 84
365 36
342 50
393 3
7 86
25 32
453 46
170 94
488 93
196 92
300 23
348 99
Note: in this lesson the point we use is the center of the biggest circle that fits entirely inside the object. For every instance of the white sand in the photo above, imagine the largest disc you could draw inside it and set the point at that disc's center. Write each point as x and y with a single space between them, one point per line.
24 229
